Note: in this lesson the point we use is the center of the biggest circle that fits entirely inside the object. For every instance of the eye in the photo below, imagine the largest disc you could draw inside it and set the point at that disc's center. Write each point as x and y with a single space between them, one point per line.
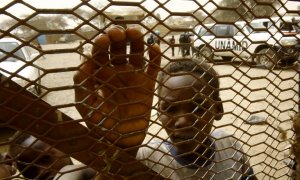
163 106
167 107
171 109
200 109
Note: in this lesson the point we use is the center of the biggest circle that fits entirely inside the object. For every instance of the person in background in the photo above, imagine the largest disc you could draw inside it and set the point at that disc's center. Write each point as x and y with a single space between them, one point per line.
172 43
150 40
185 41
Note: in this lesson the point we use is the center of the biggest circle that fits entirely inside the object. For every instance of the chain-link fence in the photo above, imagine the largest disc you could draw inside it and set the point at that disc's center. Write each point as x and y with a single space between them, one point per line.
156 89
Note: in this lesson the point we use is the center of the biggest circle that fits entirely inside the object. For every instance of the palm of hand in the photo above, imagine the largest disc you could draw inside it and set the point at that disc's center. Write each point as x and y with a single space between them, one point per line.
116 100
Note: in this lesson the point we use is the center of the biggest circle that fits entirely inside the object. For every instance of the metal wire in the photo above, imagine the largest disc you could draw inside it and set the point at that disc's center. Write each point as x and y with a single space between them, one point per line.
238 50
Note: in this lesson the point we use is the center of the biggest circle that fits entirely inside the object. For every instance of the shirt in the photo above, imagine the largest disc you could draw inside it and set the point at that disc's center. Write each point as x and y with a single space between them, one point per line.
227 162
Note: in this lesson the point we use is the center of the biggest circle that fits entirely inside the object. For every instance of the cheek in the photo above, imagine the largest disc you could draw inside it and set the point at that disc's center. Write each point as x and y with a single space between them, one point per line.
166 123
203 127
208 115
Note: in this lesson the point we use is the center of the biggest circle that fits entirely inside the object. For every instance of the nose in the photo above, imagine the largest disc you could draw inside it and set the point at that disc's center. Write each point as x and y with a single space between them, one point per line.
184 121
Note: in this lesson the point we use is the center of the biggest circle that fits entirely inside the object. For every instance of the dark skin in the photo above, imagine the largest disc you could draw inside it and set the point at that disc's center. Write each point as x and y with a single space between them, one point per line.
75 139
44 160
6 168
95 73
187 113
115 92
118 87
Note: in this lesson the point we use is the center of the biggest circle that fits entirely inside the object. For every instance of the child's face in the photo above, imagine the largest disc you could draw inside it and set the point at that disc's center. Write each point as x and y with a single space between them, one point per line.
186 113
39 160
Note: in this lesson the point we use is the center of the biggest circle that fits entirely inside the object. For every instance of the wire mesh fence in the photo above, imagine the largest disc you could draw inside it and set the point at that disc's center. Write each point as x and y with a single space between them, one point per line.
162 89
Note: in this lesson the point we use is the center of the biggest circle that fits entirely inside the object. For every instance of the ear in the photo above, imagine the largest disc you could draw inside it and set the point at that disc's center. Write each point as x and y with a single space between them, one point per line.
219 109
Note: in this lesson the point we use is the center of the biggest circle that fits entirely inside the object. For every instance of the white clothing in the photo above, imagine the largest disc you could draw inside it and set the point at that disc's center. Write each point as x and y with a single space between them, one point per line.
228 161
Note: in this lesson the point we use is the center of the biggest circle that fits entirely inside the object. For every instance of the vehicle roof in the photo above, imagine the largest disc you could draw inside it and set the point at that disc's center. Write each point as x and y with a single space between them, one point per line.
277 19
9 39
212 24
274 19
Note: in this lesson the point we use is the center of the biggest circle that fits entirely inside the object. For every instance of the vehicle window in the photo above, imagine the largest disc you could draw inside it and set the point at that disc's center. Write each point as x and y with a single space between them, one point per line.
204 32
259 25
222 30
31 50
266 24
236 31
8 47
244 30
289 27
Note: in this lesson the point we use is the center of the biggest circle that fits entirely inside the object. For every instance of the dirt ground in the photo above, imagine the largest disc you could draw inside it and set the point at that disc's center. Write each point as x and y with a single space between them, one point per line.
246 91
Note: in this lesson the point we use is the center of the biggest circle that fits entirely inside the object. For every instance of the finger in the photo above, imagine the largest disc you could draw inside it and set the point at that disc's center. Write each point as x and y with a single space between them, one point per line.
154 61
136 40
84 87
117 36
100 50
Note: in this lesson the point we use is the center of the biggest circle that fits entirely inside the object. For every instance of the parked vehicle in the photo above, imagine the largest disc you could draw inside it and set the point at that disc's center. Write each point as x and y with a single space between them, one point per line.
262 44
288 25
17 62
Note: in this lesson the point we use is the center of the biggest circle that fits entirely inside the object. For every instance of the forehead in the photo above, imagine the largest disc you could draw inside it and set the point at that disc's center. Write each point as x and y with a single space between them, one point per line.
184 85
179 81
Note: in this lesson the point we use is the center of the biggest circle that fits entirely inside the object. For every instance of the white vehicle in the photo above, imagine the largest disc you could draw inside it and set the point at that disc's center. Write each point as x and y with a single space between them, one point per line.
17 62
253 41
288 25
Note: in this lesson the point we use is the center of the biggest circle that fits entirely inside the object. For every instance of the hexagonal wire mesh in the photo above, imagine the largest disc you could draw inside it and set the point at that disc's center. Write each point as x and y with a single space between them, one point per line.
227 60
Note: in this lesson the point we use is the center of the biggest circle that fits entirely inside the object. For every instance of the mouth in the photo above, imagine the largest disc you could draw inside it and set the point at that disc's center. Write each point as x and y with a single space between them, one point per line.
180 137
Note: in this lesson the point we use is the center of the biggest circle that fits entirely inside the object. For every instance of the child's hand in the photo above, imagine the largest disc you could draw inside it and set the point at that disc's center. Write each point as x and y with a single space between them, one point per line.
114 91
7 169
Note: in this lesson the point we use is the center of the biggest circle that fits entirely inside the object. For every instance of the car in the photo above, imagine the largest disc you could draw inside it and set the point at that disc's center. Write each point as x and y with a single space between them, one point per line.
288 25
17 61
264 45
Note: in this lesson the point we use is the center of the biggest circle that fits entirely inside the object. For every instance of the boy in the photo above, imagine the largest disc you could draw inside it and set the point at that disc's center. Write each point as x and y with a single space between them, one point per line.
188 104
115 92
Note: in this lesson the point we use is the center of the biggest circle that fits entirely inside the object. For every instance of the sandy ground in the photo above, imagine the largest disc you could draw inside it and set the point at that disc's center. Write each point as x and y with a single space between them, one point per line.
246 91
